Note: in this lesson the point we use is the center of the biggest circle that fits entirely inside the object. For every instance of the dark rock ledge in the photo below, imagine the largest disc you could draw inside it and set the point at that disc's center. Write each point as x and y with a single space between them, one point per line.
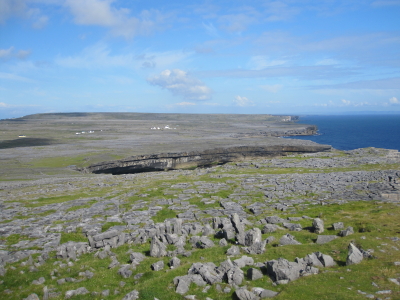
182 160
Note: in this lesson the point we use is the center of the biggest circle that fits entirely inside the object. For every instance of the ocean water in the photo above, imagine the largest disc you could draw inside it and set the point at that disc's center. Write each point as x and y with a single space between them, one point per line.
348 132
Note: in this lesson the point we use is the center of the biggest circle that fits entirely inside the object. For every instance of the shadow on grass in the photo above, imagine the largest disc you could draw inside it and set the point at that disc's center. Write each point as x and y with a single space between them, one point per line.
26 142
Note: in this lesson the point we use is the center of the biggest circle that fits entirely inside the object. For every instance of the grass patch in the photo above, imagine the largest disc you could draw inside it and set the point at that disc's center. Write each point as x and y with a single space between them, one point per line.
77 236
58 199
164 214
108 225
88 205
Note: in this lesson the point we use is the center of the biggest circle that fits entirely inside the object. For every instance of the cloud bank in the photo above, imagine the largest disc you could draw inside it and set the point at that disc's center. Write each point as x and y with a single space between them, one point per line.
180 83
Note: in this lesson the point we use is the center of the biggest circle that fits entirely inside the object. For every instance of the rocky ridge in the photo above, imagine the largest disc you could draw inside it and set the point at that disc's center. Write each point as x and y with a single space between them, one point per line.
228 210
168 161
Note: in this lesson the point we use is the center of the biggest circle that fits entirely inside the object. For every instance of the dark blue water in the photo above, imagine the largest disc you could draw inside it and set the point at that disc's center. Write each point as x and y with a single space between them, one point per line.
348 132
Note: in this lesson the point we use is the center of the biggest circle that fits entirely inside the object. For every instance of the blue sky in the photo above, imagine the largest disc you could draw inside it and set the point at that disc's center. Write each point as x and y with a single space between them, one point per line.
278 57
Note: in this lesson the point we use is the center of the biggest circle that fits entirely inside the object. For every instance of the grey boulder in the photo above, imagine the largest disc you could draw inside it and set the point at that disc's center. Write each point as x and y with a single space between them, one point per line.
254 274
157 266
288 239
354 255
349 230
243 294
323 239
157 248
132 295
318 225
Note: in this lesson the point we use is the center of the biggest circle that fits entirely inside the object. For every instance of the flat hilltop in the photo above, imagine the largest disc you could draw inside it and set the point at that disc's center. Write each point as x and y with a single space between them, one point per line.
49 143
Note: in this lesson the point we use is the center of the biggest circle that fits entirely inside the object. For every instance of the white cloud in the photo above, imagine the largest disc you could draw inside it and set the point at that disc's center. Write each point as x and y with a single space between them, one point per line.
94 12
326 62
100 56
40 22
376 47
11 53
272 88
10 76
345 102
210 29
180 83
394 100
9 8
242 101
236 22
103 13
2 104
185 104
260 62
280 11
6 53
20 8
374 84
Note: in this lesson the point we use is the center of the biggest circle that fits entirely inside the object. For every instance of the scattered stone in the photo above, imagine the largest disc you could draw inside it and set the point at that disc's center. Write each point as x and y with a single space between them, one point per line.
288 239
132 295
348 231
79 291
157 266
182 284
354 255
385 292
338 226
235 276
254 274
234 250
293 226
326 260
125 271
282 271
323 239
243 261
318 225
204 243
32 297
207 272
256 248
174 262
274 220
114 263
41 280
263 293
157 248
2 270
252 236
105 293
223 242
243 294
269 228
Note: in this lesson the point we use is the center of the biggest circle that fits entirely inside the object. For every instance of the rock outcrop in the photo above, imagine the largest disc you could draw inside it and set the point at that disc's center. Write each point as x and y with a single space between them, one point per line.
169 161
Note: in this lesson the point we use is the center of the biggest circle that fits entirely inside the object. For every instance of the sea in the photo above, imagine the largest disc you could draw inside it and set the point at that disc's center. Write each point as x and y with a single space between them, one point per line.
348 132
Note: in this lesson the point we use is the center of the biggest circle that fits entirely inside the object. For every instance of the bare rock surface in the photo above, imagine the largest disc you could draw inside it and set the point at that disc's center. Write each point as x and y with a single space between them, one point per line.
70 217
